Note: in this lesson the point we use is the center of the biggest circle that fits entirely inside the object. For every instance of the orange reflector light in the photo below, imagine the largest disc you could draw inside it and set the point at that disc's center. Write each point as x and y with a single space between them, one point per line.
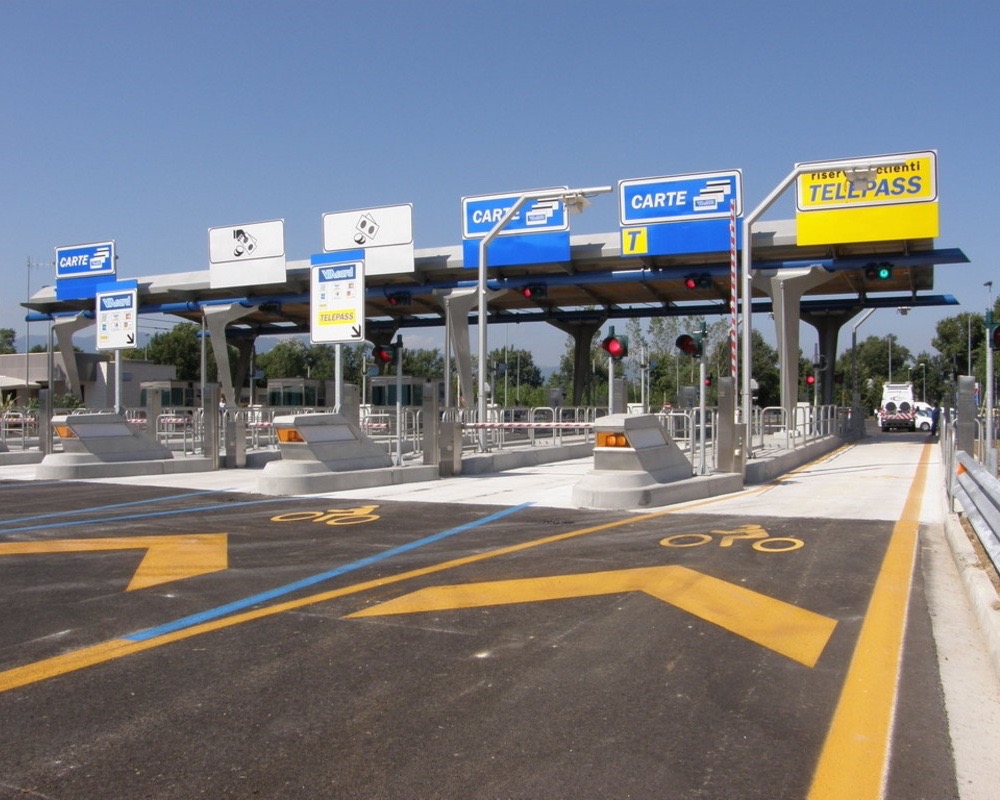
286 435
612 440
64 432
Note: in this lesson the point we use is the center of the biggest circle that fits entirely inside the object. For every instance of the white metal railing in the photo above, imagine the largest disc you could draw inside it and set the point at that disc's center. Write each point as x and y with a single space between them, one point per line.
17 424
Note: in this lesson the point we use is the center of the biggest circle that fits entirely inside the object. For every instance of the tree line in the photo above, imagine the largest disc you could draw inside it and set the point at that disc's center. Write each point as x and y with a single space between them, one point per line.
959 347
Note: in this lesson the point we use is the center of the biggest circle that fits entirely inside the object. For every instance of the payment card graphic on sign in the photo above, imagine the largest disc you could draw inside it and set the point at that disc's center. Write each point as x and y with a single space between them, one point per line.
680 198
337 302
679 214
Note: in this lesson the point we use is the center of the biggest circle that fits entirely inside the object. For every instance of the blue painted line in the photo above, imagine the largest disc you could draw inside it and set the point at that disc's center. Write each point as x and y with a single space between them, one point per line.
288 588
112 505
150 514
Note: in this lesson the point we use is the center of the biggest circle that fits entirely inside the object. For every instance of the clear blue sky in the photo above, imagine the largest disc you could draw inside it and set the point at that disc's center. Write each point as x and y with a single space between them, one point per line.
150 122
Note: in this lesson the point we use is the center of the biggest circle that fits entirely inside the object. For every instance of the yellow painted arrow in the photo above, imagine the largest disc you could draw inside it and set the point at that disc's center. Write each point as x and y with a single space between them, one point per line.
794 632
168 558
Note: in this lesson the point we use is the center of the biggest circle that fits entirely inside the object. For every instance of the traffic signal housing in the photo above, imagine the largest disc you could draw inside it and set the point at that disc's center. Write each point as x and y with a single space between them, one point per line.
995 337
533 291
384 354
881 271
690 344
399 298
615 346
700 280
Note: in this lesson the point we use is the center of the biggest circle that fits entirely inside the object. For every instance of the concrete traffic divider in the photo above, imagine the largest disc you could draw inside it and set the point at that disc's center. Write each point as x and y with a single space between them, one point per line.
636 465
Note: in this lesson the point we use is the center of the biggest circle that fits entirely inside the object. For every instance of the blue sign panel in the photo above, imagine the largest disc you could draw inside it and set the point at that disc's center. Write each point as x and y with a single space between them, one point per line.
85 260
481 215
536 248
679 238
680 198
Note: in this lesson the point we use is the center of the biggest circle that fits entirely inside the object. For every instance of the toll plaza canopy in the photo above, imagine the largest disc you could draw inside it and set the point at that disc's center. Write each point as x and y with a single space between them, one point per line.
596 284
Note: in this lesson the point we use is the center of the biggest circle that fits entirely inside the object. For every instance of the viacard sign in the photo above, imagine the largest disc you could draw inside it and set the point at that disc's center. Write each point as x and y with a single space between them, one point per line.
895 198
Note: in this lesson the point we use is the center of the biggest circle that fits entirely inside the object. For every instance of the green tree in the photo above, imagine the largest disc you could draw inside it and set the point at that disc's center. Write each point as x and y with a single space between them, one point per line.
423 363
181 347
7 338
289 358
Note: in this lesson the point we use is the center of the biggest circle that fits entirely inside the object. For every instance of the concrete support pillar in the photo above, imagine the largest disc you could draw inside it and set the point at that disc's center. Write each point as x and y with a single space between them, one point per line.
64 330
457 305
216 320
785 287
241 371
828 325
583 337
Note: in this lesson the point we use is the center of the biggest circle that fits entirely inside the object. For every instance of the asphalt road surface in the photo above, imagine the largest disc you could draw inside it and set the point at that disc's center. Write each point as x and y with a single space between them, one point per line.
162 642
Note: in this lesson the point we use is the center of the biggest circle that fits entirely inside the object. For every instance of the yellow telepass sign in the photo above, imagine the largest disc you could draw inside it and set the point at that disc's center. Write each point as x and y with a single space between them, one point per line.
895 200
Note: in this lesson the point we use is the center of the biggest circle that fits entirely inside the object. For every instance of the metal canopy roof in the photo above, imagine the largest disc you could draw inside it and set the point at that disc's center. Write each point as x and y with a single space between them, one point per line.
597 283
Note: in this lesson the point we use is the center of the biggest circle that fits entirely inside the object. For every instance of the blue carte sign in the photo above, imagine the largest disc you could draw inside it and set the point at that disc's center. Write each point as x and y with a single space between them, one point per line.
680 198
85 260
481 215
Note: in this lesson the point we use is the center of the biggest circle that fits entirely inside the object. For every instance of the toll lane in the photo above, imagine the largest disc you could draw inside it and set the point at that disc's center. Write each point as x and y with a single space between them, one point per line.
693 652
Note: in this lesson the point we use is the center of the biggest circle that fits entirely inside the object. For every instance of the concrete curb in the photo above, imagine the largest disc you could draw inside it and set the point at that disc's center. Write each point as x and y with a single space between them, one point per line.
323 482
96 470
982 596
11 458
767 468
512 459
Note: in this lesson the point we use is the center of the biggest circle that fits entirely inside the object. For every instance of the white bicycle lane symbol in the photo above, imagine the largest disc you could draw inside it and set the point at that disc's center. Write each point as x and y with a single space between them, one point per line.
763 542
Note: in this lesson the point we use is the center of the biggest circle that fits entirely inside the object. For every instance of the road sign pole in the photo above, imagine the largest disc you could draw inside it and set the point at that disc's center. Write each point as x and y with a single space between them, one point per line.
747 260
703 469
566 196
990 459
118 382
484 244
399 400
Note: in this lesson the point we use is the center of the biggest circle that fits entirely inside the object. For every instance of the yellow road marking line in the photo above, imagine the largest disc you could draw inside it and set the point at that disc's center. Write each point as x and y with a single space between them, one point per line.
116 648
796 633
168 558
855 756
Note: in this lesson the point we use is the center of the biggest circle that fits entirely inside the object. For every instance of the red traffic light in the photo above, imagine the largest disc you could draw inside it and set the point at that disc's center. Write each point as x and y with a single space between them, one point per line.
533 290
810 380
384 354
689 345
614 347
708 380
701 280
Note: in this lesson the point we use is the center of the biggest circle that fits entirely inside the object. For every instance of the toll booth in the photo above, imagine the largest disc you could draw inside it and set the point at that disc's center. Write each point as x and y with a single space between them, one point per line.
106 445
636 465
170 394
382 390
296 393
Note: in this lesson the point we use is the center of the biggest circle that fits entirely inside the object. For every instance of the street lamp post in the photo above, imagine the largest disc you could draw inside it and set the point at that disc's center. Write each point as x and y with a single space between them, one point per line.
575 199
860 169
923 382
855 389
890 337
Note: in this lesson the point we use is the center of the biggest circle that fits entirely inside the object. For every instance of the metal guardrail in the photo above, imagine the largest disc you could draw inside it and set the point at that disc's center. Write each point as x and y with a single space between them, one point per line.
979 493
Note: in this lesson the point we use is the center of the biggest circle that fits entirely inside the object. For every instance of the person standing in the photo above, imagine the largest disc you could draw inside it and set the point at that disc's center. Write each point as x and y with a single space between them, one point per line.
935 418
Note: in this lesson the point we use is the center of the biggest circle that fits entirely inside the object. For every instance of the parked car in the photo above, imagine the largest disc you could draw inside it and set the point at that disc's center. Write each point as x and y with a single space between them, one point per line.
923 419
